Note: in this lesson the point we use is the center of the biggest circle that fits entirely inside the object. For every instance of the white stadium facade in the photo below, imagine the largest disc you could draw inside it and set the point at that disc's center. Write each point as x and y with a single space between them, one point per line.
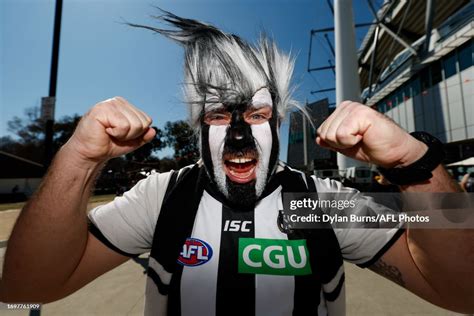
416 66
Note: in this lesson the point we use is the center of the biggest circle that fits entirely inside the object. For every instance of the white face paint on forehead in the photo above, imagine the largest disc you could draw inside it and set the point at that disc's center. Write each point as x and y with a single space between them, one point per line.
262 98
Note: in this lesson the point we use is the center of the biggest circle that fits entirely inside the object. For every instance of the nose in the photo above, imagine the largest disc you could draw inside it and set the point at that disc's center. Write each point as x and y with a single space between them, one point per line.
236 133
239 134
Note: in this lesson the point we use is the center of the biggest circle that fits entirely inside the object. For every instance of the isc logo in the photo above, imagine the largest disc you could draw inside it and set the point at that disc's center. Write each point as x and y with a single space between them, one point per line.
235 226
273 256
195 252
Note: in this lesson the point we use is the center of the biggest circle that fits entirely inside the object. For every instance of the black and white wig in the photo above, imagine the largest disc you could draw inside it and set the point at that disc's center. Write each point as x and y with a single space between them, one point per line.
222 70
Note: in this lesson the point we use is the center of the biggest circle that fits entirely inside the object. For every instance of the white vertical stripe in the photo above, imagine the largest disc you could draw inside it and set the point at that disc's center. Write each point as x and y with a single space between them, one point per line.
199 283
274 293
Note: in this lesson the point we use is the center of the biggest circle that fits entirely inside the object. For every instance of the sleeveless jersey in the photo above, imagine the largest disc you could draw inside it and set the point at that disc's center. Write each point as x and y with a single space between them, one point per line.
209 258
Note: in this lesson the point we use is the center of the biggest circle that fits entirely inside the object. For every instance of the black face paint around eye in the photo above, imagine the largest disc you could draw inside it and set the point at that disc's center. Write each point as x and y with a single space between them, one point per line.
240 157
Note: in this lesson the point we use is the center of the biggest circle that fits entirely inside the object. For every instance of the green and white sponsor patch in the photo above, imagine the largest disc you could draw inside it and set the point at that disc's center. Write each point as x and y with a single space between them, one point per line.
273 256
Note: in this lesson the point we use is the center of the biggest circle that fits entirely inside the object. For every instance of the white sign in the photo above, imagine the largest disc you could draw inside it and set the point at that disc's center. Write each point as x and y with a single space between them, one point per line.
47 108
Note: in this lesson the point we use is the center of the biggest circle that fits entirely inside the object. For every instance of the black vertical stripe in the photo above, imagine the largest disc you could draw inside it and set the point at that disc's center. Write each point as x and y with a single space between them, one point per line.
174 296
306 298
235 291
176 219
175 225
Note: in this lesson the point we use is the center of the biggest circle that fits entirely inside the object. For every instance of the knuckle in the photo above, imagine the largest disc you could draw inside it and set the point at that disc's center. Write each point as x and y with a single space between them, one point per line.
345 103
135 128
145 126
122 124
148 120
341 134
119 98
360 109
331 138
329 135
98 108
352 105
106 105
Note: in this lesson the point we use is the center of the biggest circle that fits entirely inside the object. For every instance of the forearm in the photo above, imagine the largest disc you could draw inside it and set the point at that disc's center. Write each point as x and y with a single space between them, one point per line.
445 257
50 234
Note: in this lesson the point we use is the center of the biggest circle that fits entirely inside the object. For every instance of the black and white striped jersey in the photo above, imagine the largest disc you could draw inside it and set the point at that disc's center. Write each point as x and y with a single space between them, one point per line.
207 258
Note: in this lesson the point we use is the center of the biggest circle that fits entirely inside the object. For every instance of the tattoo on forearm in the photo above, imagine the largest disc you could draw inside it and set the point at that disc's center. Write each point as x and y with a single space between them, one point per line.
390 272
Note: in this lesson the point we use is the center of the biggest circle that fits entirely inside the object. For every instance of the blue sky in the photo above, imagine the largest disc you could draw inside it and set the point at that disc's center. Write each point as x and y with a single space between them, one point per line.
100 57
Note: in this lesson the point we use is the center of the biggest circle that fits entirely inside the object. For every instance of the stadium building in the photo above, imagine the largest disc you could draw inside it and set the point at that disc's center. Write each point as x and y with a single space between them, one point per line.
415 65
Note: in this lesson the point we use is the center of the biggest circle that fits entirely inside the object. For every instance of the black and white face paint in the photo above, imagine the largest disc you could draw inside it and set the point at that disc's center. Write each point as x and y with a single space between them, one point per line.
240 140
223 80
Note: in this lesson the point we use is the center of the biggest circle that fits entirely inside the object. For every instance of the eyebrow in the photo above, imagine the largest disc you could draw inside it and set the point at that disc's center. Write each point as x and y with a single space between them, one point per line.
260 107
213 107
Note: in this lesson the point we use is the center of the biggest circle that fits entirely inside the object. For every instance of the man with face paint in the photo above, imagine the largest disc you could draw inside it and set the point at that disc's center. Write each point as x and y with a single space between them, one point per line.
240 146
214 229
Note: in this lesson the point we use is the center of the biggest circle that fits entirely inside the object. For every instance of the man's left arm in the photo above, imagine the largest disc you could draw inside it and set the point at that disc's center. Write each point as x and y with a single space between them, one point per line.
435 264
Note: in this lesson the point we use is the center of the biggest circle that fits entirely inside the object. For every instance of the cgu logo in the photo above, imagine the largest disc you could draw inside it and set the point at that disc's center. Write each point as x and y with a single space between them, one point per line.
273 256
195 252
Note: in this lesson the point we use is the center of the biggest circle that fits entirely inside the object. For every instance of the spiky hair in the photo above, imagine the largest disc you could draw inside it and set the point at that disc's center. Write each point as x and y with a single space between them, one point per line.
223 68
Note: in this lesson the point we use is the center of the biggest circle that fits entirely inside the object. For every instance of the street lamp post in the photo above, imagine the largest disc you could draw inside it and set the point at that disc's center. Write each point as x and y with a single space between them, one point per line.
48 103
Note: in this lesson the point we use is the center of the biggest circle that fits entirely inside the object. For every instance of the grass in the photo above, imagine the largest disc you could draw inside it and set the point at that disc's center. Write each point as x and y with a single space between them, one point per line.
11 206
93 199
101 198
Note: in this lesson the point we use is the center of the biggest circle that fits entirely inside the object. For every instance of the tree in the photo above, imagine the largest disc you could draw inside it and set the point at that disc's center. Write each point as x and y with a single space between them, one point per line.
30 133
63 130
146 152
181 137
29 142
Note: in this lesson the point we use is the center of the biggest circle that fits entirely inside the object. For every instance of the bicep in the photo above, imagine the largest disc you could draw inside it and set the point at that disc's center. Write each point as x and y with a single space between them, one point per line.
397 265
96 260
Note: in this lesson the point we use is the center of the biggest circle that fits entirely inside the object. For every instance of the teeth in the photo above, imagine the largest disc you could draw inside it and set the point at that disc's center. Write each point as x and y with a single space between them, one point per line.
240 160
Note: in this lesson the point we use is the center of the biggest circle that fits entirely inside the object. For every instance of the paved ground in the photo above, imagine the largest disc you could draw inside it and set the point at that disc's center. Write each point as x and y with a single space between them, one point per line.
7 219
121 292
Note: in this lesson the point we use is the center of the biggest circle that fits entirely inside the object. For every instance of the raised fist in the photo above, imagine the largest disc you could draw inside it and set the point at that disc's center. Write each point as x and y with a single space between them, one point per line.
357 131
112 128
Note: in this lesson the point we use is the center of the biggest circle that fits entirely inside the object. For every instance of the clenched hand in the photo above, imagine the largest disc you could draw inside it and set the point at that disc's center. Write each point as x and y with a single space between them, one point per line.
357 131
112 128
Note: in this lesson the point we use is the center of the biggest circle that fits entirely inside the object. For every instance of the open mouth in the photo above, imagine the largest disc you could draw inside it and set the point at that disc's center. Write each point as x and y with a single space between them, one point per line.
240 167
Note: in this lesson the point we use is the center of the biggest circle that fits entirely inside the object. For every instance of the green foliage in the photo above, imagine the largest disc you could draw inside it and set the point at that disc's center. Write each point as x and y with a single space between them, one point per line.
29 142
30 134
180 136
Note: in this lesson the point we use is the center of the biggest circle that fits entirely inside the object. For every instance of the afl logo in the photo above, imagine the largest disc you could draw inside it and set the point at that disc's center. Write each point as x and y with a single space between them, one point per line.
195 252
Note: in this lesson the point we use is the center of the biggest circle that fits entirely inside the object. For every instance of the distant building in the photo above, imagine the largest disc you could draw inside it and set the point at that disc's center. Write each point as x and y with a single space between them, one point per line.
316 156
424 87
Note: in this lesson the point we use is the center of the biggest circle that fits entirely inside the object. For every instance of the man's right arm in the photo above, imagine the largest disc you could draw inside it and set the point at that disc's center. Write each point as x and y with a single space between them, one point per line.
50 253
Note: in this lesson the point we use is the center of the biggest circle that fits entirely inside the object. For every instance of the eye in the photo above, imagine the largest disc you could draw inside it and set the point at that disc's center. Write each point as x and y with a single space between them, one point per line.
257 117
217 118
